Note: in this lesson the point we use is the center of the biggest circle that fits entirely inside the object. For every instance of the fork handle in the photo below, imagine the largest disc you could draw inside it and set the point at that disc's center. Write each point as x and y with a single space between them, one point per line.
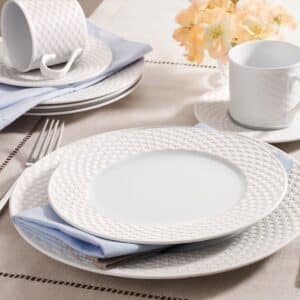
5 197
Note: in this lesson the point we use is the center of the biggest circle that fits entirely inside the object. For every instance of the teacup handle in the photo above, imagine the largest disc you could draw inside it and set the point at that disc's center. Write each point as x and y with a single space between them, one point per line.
55 74
295 77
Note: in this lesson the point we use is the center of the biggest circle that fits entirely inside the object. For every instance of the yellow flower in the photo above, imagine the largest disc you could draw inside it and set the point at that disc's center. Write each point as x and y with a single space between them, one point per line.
187 35
195 52
254 20
192 40
181 35
188 17
282 17
227 5
190 34
250 26
258 29
217 37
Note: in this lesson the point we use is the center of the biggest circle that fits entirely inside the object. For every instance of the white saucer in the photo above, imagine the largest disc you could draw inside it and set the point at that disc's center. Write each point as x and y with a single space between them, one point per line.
96 58
87 105
259 241
215 114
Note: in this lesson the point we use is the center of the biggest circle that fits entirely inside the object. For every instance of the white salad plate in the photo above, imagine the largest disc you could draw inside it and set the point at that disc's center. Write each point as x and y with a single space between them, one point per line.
115 83
96 58
215 114
83 106
256 243
170 182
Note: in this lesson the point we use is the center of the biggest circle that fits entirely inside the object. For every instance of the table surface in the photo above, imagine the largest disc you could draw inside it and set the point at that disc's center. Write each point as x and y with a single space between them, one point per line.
170 88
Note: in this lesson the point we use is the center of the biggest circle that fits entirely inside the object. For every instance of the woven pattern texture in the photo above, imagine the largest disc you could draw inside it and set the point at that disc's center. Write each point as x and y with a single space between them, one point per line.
261 240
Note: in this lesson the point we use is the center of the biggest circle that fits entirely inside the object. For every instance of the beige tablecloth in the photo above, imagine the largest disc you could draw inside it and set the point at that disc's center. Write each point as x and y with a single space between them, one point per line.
167 95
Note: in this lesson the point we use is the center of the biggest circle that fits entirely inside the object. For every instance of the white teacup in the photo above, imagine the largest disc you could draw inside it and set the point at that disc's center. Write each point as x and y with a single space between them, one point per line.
264 84
42 33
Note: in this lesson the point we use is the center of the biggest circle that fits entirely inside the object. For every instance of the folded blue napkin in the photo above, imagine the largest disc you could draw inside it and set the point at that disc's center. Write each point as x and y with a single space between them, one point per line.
43 222
15 101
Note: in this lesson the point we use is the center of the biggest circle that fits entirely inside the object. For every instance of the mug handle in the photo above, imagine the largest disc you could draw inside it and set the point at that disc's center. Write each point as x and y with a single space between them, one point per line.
295 77
56 74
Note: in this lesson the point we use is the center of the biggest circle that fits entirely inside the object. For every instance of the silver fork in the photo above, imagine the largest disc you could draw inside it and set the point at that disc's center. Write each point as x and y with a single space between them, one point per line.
48 140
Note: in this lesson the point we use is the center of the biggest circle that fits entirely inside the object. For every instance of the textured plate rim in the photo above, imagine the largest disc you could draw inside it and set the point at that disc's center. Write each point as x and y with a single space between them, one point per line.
134 238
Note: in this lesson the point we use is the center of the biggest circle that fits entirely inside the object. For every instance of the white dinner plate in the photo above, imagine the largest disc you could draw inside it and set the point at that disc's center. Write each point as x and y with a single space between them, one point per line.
96 57
259 241
215 114
88 101
87 105
115 83
167 186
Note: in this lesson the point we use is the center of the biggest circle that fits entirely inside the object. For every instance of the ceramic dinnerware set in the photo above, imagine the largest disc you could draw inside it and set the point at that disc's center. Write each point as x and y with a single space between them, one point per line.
263 102
160 203
69 64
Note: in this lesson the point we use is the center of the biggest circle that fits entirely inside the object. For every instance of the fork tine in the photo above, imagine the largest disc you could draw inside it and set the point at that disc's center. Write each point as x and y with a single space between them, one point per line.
59 137
32 155
45 143
52 139
48 140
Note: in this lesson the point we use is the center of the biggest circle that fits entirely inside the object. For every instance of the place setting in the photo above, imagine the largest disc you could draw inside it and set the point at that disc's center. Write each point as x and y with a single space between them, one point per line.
155 202
155 225
68 65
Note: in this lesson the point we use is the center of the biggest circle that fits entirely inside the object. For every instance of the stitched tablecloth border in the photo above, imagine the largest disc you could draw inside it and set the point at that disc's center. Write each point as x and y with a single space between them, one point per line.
86 286
20 145
174 63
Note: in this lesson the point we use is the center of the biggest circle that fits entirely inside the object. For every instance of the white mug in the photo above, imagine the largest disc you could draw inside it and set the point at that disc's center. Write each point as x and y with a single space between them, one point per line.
264 84
42 33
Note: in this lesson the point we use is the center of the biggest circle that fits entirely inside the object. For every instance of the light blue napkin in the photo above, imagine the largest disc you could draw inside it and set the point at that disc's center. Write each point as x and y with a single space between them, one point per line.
15 101
43 221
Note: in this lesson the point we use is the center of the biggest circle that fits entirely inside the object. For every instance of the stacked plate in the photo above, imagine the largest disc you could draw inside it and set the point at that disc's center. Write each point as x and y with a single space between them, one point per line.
112 89
213 202
96 59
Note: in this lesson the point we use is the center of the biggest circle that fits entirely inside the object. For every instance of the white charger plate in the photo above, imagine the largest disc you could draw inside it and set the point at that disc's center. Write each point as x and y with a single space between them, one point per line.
96 58
215 114
115 83
169 185
87 105
259 241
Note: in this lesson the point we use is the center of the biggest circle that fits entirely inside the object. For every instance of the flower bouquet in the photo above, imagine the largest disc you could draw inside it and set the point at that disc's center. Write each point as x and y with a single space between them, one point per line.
215 26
